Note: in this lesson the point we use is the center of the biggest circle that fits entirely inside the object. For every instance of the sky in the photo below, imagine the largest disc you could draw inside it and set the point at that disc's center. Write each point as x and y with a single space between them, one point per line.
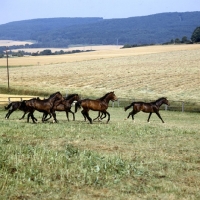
17 10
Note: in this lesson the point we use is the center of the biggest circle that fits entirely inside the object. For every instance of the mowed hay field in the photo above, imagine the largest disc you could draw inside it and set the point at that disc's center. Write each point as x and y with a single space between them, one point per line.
142 73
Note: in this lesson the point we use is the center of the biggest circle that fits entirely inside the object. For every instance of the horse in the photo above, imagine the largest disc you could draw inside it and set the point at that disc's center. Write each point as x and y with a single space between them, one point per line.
152 107
65 105
45 106
13 106
100 115
95 105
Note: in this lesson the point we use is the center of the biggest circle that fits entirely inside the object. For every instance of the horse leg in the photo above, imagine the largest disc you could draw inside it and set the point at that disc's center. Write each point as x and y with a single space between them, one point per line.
97 116
33 118
44 118
54 117
149 116
83 113
88 117
8 114
30 114
67 116
158 114
108 116
28 117
102 117
132 113
72 114
23 116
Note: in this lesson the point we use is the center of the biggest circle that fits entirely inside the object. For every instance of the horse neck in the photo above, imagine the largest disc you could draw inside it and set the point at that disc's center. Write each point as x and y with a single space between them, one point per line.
107 99
159 102
71 99
54 98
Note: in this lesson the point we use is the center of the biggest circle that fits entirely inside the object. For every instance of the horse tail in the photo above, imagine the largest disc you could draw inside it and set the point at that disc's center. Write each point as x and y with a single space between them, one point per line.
77 105
127 107
8 106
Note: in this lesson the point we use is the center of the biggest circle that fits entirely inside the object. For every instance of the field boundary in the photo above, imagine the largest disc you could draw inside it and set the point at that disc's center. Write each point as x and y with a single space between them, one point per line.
182 106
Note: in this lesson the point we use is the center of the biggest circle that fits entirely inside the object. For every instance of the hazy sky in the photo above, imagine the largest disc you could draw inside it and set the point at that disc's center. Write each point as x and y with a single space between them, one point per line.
16 10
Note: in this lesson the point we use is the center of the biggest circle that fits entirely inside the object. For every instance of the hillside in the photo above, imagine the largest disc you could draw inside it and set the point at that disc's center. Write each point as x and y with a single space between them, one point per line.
61 32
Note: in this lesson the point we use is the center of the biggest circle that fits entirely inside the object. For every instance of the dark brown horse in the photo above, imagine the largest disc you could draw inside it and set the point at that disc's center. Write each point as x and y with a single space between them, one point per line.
95 105
152 107
45 106
16 105
65 105
13 106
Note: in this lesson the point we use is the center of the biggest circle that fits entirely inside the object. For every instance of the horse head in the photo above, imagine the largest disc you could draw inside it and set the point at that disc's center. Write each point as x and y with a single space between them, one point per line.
113 96
166 101
162 100
77 97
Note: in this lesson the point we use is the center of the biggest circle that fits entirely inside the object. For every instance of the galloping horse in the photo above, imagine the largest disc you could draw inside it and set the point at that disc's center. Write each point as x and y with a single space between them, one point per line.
45 106
15 105
95 105
65 105
152 107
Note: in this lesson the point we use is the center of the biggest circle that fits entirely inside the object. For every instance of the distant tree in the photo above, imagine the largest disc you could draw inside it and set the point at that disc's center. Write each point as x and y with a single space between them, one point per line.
177 41
196 35
127 46
35 54
46 52
184 39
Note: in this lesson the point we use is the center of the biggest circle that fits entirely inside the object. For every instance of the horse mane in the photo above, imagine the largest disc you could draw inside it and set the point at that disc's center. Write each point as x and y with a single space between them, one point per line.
159 99
70 96
52 95
102 98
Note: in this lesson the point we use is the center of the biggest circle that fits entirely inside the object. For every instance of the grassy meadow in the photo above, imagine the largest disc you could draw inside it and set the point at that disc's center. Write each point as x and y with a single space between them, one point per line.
119 160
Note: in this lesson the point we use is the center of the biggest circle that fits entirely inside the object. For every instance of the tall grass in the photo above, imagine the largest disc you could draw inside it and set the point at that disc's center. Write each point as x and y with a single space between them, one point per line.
119 160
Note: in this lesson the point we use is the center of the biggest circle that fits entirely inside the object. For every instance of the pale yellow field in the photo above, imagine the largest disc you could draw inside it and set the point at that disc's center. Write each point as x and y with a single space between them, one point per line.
143 72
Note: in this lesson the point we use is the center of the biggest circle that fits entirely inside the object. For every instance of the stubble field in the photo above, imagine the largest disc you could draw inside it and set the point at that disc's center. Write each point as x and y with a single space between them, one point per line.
142 73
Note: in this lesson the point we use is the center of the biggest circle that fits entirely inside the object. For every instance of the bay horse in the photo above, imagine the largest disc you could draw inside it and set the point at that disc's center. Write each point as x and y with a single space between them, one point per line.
100 104
16 105
65 105
13 106
45 106
152 107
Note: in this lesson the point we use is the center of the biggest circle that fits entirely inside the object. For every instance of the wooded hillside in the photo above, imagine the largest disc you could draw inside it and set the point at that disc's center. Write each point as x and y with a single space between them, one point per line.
61 32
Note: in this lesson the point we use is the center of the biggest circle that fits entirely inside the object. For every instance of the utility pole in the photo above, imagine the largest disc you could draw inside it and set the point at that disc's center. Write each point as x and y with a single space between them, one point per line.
7 68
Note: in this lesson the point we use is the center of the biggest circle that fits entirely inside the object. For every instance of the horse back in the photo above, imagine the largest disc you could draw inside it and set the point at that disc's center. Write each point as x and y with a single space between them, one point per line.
13 105
95 105
144 107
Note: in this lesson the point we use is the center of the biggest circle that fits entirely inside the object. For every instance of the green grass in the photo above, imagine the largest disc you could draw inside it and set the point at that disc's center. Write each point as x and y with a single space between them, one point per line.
119 160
